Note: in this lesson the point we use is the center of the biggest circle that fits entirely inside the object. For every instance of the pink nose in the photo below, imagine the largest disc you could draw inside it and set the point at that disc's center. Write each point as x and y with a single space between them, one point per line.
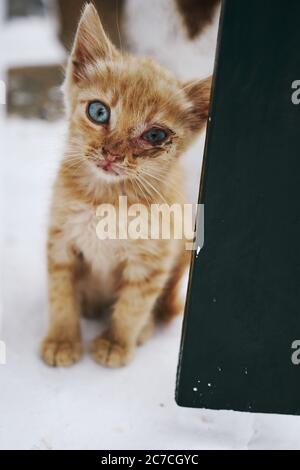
112 157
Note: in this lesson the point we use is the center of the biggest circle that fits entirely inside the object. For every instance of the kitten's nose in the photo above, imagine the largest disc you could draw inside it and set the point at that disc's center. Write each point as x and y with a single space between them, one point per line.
112 157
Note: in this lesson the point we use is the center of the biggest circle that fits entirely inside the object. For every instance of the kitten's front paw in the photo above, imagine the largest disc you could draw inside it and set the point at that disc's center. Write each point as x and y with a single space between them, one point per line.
61 352
110 353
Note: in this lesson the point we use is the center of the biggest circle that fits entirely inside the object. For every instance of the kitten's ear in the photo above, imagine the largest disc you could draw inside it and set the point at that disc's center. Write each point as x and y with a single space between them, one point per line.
91 42
198 93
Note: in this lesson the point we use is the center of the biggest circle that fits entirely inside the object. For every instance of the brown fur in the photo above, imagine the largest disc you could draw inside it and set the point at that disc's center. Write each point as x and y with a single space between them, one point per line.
132 278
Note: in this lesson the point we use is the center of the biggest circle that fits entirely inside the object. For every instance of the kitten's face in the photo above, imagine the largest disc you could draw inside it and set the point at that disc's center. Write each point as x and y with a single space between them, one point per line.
129 118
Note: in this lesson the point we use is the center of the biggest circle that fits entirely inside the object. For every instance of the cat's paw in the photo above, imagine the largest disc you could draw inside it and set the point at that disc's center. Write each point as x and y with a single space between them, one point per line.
110 353
61 353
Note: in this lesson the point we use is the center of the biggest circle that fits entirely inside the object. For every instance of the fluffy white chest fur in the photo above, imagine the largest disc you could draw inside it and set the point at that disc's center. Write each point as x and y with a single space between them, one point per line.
81 230
104 255
101 256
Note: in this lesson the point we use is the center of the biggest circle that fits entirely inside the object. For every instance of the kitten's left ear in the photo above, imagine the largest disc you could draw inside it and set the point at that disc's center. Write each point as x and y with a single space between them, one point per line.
198 93
91 42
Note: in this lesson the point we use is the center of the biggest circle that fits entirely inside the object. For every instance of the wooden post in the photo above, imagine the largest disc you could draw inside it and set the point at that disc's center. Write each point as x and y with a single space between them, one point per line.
241 335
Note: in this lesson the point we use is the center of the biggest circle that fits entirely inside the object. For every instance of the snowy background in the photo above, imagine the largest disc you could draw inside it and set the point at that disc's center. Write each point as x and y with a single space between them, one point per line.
86 406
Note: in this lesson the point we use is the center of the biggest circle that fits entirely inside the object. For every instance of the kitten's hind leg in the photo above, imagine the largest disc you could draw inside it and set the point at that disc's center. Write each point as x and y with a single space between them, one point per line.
170 303
147 331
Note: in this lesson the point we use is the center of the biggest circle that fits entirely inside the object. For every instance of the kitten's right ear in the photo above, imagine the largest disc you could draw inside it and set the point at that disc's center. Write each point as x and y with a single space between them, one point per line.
198 92
91 43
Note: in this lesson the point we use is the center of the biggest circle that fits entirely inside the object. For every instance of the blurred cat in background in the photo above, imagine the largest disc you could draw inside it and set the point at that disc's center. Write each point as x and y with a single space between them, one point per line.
180 34
130 122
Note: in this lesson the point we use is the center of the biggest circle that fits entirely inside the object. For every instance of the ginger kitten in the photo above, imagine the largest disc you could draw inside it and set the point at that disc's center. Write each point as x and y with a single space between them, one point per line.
129 123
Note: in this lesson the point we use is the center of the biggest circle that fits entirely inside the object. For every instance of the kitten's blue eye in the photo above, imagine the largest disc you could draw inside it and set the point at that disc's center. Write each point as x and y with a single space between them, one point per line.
98 112
155 135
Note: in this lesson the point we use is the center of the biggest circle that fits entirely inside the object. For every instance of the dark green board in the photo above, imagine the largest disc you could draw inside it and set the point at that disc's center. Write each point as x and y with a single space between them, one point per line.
243 306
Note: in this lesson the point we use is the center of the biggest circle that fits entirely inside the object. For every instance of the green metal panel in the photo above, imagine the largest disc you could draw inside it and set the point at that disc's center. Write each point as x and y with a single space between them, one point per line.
243 309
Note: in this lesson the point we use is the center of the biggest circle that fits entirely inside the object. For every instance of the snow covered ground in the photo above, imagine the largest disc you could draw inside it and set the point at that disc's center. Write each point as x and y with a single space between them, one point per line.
86 406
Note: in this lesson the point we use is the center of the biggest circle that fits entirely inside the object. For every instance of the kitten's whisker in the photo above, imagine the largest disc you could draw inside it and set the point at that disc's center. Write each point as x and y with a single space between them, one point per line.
156 177
73 157
73 166
143 189
168 183
73 163
135 179
73 160
153 188
134 187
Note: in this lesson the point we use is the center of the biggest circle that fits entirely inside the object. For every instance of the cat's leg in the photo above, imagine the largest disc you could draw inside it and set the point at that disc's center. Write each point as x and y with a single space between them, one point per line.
147 330
170 303
131 314
62 344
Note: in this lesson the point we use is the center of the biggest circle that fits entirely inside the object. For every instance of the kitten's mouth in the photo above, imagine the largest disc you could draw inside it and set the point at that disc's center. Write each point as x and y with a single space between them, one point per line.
110 168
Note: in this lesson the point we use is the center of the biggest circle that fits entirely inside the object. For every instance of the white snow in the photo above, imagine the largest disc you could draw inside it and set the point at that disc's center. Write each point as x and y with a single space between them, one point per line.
86 406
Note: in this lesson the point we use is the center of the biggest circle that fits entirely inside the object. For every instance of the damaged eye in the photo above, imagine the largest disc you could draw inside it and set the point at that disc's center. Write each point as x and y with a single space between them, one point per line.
155 135
98 112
